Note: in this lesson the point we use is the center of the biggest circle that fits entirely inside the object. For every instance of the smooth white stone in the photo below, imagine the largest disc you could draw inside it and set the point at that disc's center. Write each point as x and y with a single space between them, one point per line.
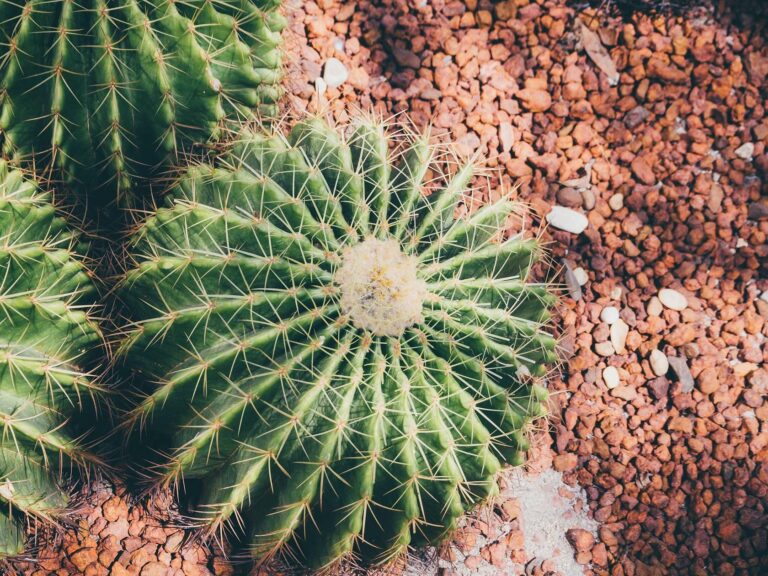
582 277
335 73
673 299
566 219
659 362
745 151
609 315
619 333
611 377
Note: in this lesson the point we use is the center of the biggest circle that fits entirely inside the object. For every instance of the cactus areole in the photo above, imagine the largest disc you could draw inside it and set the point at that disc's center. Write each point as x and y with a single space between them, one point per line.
338 364
106 92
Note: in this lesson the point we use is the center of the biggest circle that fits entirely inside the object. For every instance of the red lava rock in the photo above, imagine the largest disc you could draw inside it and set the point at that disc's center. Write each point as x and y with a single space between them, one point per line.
580 539
667 72
535 100
642 169
565 462
83 558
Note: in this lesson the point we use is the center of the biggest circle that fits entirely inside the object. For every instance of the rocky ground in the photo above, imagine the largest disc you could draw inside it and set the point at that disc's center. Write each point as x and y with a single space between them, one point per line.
642 144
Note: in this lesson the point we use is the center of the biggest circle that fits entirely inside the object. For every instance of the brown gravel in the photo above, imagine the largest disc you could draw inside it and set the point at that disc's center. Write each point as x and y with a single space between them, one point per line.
113 535
669 165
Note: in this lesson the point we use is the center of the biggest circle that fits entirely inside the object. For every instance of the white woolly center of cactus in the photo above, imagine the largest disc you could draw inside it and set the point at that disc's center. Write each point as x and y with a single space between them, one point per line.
380 290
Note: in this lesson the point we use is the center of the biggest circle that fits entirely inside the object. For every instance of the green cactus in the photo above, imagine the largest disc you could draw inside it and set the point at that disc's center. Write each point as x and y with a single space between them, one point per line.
106 91
46 337
338 365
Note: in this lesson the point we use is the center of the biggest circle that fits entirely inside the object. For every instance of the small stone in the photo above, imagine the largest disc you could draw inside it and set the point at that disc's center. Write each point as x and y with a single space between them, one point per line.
84 557
335 73
616 202
569 197
745 151
406 58
758 210
681 424
566 219
730 532
506 136
708 381
609 315
574 288
643 171
114 508
659 362
535 100
154 569
468 144
580 539
605 349
635 117
611 377
565 462
673 299
321 87
680 368
627 393
619 333
174 541
581 275
654 307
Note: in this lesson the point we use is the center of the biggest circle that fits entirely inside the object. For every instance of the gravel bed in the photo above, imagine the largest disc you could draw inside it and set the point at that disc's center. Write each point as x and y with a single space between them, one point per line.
640 145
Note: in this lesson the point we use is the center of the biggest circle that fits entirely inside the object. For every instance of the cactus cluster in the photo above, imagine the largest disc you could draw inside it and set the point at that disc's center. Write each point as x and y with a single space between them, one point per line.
106 91
337 366
47 339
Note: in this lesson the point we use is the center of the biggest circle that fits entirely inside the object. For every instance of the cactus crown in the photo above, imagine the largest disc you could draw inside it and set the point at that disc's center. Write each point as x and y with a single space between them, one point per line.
105 91
46 337
338 364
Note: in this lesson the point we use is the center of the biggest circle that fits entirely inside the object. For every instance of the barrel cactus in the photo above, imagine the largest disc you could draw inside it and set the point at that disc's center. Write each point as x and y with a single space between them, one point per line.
336 367
105 91
47 336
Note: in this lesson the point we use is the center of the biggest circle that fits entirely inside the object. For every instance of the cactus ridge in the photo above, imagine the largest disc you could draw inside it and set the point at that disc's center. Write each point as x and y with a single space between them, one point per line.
47 335
319 440
105 91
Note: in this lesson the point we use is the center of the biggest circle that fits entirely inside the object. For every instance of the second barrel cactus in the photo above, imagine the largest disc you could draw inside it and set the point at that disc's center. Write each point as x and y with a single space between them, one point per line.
105 91
48 339
338 365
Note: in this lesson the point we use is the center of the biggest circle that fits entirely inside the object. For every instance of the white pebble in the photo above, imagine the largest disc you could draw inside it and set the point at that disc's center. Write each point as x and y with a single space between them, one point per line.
335 73
763 296
741 243
746 151
338 44
616 293
582 277
567 219
654 307
619 333
320 86
659 362
616 202
609 315
611 377
673 299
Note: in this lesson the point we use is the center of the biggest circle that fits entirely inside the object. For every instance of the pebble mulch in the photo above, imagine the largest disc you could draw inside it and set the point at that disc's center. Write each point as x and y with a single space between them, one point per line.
642 144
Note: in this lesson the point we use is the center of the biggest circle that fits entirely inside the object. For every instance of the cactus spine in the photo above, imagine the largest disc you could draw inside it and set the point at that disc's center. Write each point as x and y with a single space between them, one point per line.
46 337
105 91
339 365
